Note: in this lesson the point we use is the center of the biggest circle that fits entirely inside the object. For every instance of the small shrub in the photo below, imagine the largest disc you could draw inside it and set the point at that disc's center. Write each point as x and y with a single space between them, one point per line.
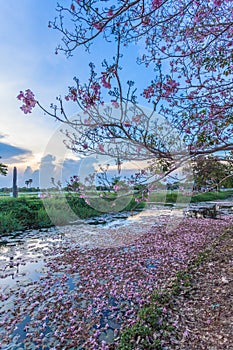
130 335
9 223
43 218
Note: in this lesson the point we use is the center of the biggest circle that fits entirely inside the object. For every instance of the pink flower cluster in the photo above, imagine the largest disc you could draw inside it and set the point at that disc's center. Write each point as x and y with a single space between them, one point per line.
116 188
149 92
74 184
105 82
72 95
115 104
156 3
98 25
218 2
170 87
101 147
88 96
28 99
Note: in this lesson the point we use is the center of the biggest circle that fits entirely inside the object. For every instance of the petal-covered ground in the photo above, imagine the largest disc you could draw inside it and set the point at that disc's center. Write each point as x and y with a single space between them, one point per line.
203 312
193 309
86 295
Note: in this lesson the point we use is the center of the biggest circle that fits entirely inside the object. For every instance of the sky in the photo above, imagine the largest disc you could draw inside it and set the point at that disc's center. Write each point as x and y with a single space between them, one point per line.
28 61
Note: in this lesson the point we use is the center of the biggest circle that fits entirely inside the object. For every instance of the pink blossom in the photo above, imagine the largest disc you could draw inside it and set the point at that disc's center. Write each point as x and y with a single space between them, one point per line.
104 82
149 92
217 2
28 99
137 118
20 96
98 25
116 188
101 147
156 3
110 13
115 104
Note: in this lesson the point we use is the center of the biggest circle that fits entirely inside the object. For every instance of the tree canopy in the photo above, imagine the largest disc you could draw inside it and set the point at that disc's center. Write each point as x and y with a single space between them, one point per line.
3 169
186 44
211 173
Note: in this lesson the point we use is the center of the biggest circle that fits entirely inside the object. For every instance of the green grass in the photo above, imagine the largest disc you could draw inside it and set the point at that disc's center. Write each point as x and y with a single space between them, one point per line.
24 213
169 197
211 196
20 214
31 212
173 197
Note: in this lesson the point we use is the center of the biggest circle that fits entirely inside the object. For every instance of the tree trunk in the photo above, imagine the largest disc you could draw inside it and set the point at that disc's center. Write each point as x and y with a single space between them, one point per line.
15 190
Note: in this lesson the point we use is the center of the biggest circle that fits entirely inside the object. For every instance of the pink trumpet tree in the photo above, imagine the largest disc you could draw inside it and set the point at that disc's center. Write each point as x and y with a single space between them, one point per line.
188 46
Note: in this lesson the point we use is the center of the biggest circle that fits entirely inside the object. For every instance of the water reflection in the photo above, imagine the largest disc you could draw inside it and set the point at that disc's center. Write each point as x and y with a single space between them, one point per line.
23 257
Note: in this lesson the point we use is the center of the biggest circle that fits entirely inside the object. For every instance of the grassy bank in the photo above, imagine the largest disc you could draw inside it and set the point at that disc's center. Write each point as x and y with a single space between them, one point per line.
18 214
175 196
23 213
211 196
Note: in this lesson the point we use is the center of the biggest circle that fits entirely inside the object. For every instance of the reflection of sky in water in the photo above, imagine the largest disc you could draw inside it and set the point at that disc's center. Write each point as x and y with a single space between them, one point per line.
36 244
22 259
155 212
30 272
19 333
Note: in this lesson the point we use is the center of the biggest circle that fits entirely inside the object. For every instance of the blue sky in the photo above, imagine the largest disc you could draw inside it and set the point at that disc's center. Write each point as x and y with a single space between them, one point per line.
28 60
